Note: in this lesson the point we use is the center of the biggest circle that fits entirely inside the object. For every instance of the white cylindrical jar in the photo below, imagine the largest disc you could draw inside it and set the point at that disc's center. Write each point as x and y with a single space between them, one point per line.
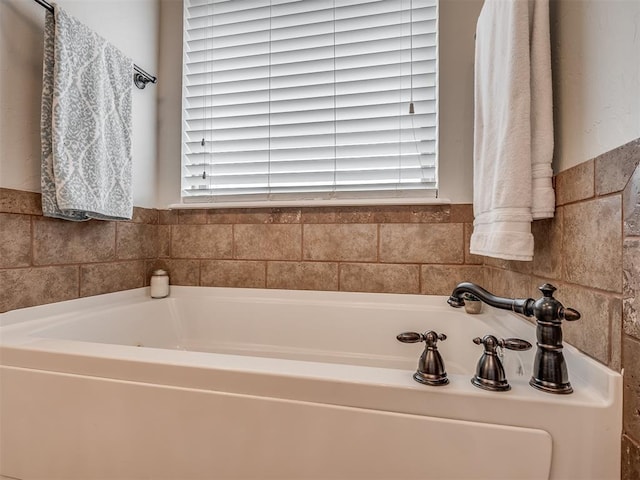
159 284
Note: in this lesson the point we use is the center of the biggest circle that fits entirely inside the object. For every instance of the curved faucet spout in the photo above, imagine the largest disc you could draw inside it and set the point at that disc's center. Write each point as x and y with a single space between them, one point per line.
523 306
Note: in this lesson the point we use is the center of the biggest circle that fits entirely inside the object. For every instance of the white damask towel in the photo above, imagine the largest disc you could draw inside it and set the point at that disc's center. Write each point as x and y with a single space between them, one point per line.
85 124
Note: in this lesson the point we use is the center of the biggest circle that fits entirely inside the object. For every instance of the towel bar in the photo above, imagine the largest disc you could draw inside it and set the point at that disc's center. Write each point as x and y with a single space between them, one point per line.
140 77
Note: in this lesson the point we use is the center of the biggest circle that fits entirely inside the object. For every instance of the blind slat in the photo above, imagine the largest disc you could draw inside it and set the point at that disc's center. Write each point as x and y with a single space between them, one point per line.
291 130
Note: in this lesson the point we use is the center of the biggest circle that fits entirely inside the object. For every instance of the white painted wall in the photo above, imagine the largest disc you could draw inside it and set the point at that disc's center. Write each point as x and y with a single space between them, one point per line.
596 69
457 28
170 103
131 25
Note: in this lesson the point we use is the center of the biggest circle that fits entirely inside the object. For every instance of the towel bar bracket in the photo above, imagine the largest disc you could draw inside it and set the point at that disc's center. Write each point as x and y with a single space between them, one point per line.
139 80
140 77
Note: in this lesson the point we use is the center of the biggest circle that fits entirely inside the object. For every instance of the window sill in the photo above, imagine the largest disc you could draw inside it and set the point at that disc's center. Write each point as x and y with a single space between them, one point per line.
342 202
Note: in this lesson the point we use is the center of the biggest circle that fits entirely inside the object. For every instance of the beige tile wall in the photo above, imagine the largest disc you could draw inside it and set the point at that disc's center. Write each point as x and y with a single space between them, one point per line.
590 251
403 249
45 260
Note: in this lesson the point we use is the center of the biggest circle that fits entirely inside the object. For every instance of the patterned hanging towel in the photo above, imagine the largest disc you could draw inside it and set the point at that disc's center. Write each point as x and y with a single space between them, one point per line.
85 124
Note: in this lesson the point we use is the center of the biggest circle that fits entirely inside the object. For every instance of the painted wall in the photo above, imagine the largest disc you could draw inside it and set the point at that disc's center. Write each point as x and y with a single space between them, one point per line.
596 69
457 29
131 25
170 103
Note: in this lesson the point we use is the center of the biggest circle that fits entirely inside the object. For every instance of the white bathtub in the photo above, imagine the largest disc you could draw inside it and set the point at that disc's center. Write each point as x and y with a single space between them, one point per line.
270 384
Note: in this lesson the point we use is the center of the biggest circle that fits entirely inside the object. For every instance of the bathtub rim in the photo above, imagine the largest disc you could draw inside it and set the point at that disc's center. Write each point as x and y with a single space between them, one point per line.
62 354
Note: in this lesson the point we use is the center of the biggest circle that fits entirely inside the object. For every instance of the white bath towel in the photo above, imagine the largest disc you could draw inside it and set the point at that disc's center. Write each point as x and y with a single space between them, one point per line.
513 137
85 124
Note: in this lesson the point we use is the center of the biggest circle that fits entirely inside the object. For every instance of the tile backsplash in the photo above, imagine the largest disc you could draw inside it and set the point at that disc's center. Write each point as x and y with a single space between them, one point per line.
590 250
364 249
45 260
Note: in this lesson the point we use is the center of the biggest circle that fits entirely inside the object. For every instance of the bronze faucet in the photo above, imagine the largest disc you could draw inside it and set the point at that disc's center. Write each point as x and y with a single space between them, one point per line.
549 367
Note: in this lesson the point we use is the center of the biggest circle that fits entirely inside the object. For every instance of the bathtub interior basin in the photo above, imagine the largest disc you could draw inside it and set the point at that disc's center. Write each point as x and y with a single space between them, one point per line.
313 384
343 331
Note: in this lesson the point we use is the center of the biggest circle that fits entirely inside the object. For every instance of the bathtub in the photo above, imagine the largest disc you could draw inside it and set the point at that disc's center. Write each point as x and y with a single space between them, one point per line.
215 383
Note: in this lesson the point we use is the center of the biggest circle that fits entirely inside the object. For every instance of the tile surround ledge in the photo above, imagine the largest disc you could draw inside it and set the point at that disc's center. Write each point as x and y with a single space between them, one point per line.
20 201
631 205
575 183
450 213
30 203
614 169
606 174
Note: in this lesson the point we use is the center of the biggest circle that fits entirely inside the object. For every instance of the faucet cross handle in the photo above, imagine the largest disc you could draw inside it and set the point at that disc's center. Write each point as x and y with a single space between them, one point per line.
430 338
549 309
431 369
489 371
569 314
491 343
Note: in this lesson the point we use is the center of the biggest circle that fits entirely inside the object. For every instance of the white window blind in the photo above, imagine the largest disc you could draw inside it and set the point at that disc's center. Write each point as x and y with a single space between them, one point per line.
308 99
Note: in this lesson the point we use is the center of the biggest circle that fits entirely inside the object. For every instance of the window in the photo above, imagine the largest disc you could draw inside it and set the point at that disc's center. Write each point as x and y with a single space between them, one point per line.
309 99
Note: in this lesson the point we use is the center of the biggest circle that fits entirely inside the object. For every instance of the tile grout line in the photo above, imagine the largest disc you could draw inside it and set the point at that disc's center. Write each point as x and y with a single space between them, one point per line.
378 240
32 235
301 242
